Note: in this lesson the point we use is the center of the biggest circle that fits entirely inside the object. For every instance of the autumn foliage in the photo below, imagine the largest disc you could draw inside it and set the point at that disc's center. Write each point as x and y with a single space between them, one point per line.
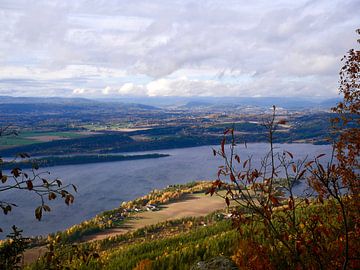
281 229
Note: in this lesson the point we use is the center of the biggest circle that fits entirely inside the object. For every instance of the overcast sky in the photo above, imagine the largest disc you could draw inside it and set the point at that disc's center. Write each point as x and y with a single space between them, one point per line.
106 48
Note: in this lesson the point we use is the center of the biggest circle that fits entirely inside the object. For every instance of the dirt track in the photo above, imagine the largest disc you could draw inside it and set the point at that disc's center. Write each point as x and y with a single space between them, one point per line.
191 205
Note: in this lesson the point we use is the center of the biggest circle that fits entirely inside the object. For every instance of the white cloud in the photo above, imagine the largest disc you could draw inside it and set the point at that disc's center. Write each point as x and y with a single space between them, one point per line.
79 91
130 89
188 47
106 90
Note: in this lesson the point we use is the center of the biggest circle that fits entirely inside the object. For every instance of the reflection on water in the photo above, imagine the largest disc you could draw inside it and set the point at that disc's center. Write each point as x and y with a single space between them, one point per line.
103 186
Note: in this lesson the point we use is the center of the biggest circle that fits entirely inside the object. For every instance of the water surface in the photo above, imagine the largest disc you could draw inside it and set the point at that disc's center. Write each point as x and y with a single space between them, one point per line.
103 186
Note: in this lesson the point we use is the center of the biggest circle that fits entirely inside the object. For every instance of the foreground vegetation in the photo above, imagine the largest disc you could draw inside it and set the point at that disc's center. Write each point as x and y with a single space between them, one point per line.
169 245
181 244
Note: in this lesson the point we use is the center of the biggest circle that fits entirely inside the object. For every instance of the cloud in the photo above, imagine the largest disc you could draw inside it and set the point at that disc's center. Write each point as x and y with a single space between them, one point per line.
79 91
187 47
131 89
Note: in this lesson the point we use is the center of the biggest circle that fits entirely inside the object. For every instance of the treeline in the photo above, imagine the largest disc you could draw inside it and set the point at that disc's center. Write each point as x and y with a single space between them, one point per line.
175 244
314 128
74 160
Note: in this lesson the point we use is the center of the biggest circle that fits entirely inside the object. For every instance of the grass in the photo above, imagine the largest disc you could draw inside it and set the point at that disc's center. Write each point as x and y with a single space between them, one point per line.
176 244
29 137
14 141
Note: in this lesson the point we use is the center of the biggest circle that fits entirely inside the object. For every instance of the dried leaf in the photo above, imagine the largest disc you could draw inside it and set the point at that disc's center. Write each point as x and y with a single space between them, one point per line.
245 163
290 154
301 174
58 182
16 172
52 196
227 201
29 185
274 200
38 213
223 145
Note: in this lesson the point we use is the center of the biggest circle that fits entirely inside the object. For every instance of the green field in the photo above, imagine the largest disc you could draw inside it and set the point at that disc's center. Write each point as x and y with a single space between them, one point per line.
30 137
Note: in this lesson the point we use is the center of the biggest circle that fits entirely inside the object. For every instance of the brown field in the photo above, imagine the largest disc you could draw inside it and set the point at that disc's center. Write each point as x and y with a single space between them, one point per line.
192 205
47 138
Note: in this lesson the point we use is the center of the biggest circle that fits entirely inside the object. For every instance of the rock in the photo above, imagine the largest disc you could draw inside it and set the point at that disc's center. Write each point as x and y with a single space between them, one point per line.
217 263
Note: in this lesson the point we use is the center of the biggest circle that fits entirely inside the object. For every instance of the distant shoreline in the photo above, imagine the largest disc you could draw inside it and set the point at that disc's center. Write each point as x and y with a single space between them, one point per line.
75 160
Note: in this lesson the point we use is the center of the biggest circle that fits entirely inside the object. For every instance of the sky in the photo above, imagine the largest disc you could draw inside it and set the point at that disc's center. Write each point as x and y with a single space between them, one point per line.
109 48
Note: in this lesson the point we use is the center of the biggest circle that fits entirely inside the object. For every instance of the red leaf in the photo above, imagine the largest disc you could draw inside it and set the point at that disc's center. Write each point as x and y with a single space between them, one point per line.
274 200
309 163
29 184
52 196
319 156
232 177
223 145
69 199
246 161
290 154
16 172
237 158
227 201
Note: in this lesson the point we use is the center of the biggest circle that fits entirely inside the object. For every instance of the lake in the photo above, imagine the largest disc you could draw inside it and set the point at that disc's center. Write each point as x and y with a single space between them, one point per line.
103 186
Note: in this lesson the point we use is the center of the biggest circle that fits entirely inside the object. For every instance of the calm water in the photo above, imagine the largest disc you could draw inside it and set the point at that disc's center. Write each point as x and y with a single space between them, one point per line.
104 186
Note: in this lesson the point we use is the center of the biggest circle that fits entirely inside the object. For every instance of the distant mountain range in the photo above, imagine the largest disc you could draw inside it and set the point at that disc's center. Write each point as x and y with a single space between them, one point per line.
54 104
153 103
204 102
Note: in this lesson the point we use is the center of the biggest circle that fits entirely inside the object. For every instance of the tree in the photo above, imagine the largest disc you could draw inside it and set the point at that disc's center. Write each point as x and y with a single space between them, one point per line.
319 230
35 181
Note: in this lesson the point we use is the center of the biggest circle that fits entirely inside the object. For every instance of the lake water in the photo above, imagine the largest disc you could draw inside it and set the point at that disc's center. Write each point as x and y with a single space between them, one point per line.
103 186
